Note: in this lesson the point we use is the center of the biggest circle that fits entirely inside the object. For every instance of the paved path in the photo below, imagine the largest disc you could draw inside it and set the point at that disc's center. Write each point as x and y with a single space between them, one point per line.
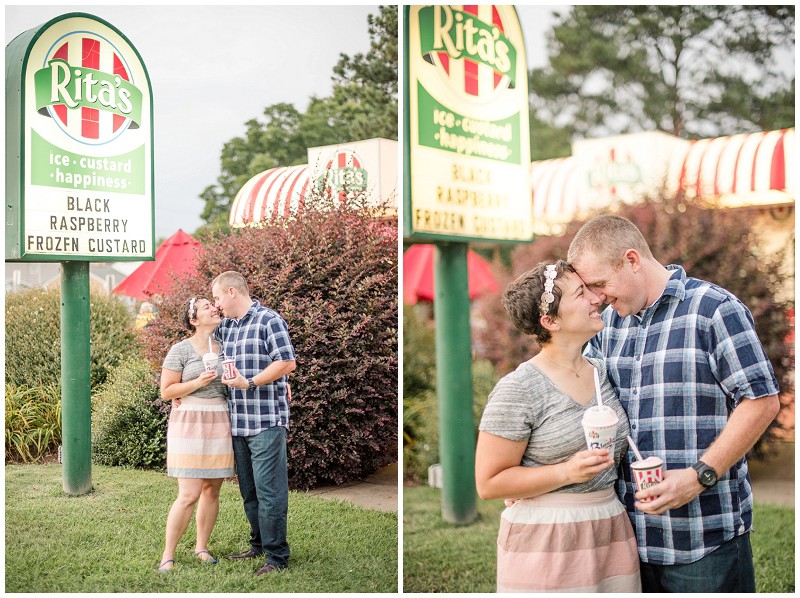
378 491
773 480
773 483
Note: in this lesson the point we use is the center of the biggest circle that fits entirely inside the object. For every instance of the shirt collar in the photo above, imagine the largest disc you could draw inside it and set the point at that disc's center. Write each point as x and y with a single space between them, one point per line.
676 287
251 312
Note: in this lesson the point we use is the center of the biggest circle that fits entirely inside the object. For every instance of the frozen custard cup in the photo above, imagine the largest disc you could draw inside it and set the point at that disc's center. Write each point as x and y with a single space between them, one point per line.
227 369
600 427
210 361
647 472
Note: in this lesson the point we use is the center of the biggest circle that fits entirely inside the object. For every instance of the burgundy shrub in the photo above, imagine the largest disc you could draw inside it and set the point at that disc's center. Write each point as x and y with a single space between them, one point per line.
332 275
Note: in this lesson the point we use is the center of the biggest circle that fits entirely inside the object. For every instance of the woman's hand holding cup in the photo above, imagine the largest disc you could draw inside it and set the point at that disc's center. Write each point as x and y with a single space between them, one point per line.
584 465
205 378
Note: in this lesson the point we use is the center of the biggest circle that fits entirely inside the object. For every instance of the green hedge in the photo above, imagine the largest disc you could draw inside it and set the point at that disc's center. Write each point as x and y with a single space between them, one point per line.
33 337
129 421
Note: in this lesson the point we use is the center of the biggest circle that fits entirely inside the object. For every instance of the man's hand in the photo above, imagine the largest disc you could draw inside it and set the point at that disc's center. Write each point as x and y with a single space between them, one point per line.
238 381
678 487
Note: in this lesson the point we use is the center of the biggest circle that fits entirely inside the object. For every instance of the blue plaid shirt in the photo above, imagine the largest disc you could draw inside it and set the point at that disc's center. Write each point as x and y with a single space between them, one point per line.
256 340
680 367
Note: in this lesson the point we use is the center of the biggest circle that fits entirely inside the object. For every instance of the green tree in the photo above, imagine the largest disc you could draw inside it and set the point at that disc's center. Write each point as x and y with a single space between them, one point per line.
273 141
548 141
363 105
692 71
365 86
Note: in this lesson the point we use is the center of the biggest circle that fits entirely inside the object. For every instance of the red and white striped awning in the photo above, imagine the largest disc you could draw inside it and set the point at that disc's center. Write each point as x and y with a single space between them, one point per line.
758 168
735 171
556 190
276 193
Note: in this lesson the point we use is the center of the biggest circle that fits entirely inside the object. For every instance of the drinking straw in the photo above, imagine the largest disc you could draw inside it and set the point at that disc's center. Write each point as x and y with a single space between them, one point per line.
209 345
635 450
597 389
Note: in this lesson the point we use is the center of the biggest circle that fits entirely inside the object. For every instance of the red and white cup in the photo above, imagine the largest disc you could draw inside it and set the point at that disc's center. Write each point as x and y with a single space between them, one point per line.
228 366
647 473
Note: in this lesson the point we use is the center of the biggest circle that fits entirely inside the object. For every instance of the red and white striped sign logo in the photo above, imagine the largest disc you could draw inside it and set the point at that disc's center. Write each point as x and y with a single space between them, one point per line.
89 125
343 174
474 79
344 159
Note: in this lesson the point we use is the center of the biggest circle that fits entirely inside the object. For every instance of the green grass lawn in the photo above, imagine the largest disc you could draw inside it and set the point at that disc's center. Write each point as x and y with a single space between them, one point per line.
438 557
111 539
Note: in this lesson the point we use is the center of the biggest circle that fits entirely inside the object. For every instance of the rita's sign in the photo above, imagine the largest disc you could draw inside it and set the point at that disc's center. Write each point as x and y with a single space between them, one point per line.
343 175
468 140
79 145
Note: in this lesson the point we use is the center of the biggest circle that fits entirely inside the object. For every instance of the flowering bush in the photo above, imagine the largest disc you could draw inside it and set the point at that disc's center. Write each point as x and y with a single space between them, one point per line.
332 275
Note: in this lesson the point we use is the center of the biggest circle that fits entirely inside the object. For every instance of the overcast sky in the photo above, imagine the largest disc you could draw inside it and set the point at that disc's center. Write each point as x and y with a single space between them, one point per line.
212 68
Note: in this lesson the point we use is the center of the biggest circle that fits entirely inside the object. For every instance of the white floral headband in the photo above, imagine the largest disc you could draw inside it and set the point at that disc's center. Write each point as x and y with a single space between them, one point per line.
191 307
550 274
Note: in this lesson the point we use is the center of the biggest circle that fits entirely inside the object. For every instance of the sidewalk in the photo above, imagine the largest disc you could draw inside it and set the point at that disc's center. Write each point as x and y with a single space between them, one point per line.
773 480
773 483
378 491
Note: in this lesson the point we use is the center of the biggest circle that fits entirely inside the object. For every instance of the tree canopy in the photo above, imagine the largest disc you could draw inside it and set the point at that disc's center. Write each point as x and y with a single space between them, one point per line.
691 71
363 105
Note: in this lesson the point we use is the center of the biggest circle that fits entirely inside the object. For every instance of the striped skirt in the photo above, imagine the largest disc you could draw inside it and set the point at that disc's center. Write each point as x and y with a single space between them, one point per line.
199 439
567 543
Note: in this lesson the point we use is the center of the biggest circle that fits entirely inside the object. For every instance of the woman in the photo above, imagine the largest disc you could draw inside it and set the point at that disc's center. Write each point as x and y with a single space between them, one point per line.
199 447
568 531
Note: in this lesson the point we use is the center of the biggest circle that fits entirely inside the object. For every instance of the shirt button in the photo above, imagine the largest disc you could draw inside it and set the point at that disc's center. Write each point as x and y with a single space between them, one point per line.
638 357
635 391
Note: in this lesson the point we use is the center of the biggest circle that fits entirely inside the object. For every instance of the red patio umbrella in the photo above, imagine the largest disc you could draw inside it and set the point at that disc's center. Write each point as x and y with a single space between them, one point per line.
418 274
175 257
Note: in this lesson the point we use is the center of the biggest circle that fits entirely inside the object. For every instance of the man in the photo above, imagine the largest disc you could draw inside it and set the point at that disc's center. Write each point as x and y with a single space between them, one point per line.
699 392
258 339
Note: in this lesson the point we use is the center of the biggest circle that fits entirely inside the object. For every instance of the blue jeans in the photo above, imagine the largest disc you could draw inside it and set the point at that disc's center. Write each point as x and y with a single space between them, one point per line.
728 569
264 485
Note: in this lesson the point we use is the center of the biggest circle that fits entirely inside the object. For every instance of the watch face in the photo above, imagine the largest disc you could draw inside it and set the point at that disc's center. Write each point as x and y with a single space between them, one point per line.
708 477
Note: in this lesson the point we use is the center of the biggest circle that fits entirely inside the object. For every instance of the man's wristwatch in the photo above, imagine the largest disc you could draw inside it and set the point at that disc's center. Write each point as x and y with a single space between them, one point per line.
251 385
706 476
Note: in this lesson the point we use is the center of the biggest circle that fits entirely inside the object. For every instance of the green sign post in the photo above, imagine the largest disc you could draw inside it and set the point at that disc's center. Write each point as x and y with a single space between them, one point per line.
467 158
453 357
79 183
76 408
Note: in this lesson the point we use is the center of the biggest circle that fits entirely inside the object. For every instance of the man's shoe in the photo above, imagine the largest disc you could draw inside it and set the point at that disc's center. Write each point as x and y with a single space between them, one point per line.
269 568
250 554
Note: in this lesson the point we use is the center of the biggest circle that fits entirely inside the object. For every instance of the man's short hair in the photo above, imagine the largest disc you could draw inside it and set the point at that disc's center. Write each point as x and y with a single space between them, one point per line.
230 279
609 237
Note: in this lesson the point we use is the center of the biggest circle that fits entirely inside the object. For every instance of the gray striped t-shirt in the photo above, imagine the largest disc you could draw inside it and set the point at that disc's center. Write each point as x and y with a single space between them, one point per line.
526 405
183 358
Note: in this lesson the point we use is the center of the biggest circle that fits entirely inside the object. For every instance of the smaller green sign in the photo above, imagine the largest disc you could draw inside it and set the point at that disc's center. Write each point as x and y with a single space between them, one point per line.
52 166
445 129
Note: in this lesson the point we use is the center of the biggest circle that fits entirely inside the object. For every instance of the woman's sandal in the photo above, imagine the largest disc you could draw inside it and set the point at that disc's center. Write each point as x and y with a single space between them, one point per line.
161 566
210 561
